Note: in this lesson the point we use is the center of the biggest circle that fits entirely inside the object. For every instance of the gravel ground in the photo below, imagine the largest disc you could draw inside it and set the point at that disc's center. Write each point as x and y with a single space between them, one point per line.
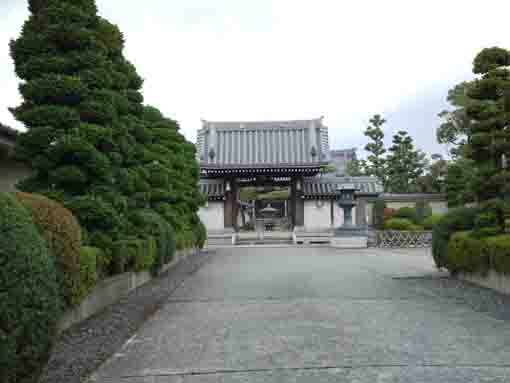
481 299
81 349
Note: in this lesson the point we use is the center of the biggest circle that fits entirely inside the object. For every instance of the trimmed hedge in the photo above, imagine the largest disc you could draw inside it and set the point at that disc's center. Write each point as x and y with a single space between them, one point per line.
400 224
498 251
466 253
460 219
134 254
406 213
430 222
149 223
200 235
62 233
89 257
30 302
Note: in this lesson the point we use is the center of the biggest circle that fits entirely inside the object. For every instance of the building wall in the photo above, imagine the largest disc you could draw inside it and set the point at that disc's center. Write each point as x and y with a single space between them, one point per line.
212 215
317 217
439 207
10 173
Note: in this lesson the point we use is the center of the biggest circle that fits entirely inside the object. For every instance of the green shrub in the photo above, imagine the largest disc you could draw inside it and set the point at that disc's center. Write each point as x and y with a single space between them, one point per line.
498 250
200 235
430 222
29 298
89 257
406 213
460 219
94 213
466 253
62 233
149 223
399 224
423 211
379 207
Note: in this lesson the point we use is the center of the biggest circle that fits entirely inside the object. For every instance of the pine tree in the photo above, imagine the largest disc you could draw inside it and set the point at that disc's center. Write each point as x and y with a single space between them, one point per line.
489 133
375 161
405 164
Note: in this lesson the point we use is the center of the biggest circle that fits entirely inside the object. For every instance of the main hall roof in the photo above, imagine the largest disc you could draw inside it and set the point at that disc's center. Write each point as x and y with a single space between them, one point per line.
262 144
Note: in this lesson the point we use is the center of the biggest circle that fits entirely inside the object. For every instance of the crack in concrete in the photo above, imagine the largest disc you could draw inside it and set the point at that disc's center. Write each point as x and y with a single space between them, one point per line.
185 373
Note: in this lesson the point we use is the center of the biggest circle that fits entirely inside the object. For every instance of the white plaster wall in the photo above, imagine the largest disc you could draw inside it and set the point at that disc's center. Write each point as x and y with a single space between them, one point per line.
212 215
317 217
439 207
399 205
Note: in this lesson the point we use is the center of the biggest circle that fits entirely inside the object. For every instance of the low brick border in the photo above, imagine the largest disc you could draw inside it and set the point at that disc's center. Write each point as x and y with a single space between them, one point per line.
82 348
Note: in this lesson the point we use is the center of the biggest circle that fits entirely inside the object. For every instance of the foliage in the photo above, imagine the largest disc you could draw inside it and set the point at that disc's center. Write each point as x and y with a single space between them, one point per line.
460 177
92 144
62 234
408 213
405 164
89 257
400 224
466 253
200 235
423 211
29 297
459 219
489 133
375 165
431 221
379 207
433 181
498 251
455 123
355 168
134 254
149 223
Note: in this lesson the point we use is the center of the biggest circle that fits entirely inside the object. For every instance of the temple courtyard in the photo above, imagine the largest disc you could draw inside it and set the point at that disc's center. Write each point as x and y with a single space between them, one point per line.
317 314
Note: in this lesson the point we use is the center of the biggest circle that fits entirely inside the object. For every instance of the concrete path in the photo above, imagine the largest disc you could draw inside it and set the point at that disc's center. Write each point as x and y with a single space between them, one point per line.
314 315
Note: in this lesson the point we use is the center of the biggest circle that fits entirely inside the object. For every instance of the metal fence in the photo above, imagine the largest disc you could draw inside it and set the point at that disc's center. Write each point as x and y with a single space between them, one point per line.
403 239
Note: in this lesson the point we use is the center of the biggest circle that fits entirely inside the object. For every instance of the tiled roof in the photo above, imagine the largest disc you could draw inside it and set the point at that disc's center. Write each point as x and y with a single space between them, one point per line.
326 187
313 187
214 189
262 143
404 197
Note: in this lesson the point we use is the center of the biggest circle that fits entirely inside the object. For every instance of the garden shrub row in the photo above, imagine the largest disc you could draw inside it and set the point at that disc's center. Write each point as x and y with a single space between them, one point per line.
30 301
405 218
471 254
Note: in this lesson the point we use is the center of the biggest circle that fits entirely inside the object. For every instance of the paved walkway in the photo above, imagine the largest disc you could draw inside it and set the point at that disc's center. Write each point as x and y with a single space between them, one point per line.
314 315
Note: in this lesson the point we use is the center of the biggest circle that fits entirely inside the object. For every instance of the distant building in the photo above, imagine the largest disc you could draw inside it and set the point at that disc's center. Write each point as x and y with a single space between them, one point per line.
340 159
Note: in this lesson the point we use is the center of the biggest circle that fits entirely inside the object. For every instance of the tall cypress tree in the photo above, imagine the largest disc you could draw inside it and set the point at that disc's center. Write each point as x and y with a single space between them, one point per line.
78 92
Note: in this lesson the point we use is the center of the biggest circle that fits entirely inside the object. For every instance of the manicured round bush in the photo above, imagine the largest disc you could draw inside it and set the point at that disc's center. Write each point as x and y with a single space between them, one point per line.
460 219
423 211
29 297
399 224
467 254
430 222
62 233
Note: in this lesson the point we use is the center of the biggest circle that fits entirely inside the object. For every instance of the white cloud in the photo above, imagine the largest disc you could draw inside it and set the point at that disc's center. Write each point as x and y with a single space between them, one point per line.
285 59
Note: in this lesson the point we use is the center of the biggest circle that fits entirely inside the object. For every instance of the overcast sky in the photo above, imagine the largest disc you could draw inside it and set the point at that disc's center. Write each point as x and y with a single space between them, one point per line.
293 59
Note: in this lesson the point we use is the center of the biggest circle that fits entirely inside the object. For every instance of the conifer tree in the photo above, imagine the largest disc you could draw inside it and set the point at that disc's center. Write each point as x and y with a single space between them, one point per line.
89 139
489 133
